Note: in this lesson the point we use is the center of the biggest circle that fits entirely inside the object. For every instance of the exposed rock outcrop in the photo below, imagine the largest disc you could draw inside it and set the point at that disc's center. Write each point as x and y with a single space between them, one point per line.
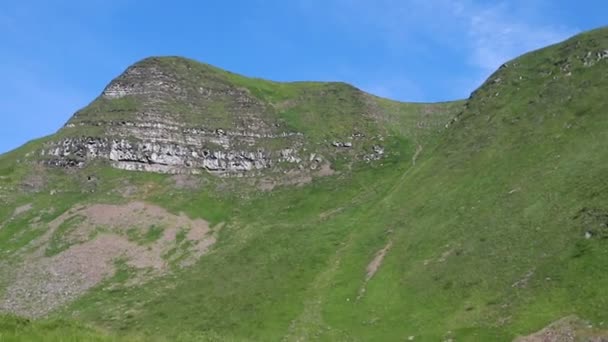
165 157
172 115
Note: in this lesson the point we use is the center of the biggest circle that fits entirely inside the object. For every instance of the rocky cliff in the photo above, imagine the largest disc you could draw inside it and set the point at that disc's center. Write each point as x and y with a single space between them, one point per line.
173 115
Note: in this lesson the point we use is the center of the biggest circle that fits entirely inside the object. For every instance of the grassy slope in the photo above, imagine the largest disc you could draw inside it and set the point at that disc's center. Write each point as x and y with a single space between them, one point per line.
287 260
502 195
17 329
495 202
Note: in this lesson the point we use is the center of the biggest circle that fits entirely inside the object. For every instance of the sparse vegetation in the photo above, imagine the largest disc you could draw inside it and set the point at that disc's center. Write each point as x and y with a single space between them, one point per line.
60 239
151 234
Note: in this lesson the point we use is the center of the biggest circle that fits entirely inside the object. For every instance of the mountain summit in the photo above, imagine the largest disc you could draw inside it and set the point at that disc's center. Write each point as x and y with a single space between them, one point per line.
190 203
174 115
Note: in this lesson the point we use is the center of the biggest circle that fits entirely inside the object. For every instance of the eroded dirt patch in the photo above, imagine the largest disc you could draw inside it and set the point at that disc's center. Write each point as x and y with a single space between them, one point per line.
22 209
374 266
146 238
325 170
568 329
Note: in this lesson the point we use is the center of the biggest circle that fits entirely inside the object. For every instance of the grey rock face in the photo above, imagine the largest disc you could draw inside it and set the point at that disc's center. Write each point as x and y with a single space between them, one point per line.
593 57
142 80
163 157
172 116
347 144
377 155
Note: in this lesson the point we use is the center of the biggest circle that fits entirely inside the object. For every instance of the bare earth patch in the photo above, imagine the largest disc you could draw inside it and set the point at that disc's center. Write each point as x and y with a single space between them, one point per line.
22 209
374 266
96 243
568 329
325 170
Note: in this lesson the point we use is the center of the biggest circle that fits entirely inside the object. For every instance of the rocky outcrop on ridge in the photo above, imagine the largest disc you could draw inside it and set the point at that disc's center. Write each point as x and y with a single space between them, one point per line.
172 115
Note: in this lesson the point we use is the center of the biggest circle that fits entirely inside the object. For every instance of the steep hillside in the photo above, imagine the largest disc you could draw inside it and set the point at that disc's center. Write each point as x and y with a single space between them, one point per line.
480 220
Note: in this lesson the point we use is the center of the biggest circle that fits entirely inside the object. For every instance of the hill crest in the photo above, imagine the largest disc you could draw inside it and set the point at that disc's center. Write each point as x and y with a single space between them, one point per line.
175 115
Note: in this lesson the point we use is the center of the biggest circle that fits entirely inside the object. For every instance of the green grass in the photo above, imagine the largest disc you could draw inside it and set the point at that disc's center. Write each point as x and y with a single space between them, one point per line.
15 329
488 226
18 329
150 235
58 242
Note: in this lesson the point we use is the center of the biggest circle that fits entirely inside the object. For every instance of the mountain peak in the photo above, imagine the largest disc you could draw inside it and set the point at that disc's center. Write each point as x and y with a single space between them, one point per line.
176 115
168 76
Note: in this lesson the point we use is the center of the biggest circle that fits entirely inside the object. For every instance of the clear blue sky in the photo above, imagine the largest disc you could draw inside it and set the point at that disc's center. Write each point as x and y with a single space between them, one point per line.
57 56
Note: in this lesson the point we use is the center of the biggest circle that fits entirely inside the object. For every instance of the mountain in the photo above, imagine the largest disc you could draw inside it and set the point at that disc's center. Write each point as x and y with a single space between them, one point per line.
187 202
174 115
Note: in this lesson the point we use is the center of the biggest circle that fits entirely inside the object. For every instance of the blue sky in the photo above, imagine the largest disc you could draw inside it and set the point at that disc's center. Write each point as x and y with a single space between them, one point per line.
58 55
